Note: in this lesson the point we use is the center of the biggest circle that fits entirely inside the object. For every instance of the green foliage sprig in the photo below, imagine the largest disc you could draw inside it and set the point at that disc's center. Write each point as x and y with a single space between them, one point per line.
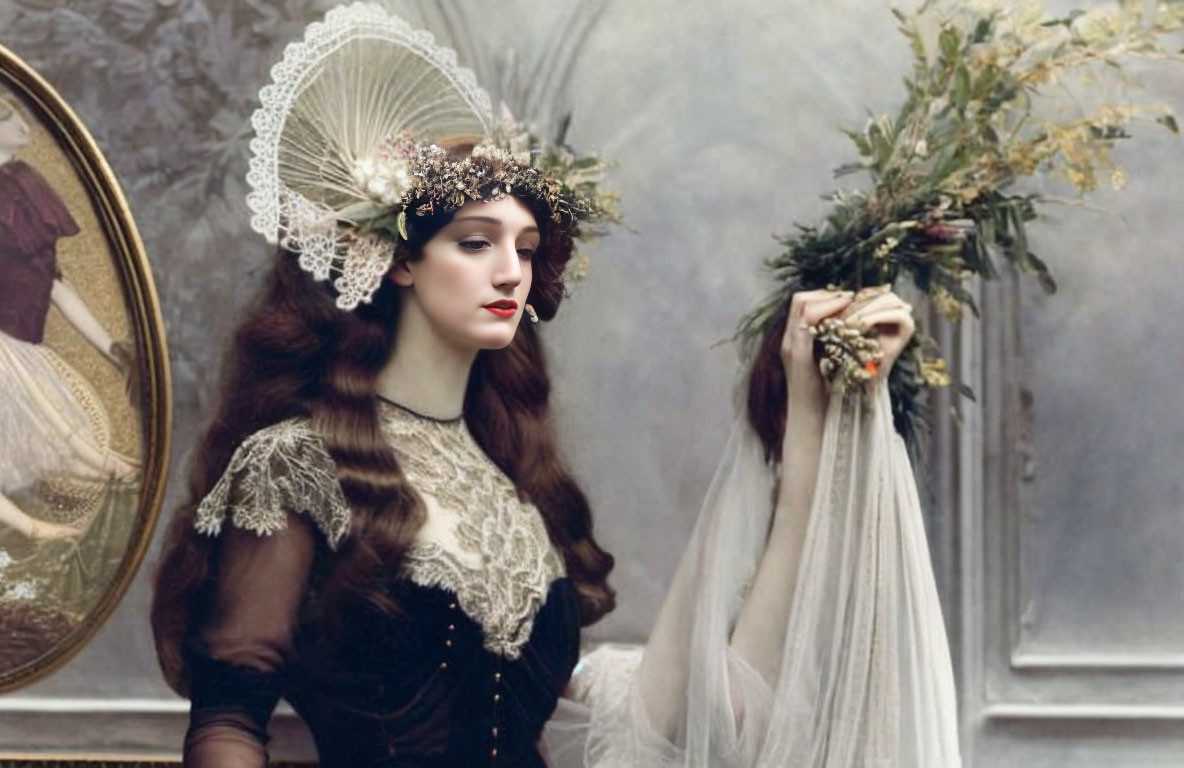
989 102
580 175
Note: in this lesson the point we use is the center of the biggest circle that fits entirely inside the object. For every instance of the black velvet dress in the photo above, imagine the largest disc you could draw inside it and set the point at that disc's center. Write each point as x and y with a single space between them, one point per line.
427 687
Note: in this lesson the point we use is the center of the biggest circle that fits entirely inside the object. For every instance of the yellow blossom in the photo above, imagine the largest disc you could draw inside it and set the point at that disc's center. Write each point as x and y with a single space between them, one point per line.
935 373
1099 24
886 247
945 303
1082 177
1118 179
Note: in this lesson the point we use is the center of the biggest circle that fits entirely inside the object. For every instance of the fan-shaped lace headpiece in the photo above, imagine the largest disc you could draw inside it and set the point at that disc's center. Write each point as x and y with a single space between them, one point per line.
350 139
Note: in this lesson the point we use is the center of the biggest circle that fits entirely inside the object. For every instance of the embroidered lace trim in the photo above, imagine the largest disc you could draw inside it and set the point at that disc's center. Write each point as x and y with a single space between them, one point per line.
486 545
279 469
284 216
302 58
359 262
481 541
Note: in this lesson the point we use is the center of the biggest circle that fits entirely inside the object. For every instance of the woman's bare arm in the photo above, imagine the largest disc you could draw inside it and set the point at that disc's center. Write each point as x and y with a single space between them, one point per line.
759 634
79 315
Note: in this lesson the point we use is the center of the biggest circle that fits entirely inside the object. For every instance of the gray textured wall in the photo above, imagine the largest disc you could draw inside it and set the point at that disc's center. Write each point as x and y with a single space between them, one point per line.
722 114
723 136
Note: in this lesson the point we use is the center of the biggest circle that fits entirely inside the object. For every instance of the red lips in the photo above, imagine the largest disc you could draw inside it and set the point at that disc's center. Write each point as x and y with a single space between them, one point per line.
503 307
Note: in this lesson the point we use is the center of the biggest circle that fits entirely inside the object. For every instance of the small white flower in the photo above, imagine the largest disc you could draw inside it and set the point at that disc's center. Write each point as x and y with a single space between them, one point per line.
985 7
400 179
5 560
22 590
363 171
377 186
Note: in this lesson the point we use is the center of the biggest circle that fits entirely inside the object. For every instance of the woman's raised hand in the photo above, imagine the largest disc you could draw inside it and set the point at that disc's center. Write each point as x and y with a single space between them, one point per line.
891 316
808 308
877 307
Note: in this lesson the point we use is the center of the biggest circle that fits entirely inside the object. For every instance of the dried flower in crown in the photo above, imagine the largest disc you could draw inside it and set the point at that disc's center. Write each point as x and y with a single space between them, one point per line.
488 173
405 177
325 190
385 176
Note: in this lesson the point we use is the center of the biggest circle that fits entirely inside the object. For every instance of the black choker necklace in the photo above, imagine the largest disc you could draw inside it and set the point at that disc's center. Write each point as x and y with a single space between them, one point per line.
419 415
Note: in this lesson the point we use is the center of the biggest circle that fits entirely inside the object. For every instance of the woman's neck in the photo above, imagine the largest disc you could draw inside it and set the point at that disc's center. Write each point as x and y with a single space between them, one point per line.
426 373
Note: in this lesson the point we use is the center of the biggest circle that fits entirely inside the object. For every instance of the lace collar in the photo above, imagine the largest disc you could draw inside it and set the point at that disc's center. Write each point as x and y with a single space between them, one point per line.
481 541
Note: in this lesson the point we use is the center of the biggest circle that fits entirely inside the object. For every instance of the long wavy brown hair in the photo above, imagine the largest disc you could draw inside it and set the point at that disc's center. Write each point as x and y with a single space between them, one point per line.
768 392
296 354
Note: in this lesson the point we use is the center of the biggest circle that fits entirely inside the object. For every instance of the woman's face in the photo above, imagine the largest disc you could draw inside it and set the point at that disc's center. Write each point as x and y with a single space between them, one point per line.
472 281
14 132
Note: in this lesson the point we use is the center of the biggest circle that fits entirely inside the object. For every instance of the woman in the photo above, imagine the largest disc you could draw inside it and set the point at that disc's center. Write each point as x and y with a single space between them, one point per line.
379 528
422 427
49 412
805 632
438 376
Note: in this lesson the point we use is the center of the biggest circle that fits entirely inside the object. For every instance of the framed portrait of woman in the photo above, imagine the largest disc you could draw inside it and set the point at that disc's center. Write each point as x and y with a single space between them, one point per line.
84 409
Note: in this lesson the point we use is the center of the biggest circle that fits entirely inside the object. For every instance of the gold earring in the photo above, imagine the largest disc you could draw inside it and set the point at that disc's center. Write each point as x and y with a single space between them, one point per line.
534 316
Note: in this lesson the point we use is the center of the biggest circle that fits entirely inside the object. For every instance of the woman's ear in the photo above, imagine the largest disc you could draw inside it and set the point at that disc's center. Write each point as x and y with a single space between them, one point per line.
400 274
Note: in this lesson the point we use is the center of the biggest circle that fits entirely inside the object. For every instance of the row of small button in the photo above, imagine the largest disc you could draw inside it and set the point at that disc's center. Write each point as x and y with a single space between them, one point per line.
497 698
497 679
448 640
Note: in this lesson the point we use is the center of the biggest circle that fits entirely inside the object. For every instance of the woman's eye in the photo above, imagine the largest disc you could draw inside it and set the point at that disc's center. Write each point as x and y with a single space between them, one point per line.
473 245
526 253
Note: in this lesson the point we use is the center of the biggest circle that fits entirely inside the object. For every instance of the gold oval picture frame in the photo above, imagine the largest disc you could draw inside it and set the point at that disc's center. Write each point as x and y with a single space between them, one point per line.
84 383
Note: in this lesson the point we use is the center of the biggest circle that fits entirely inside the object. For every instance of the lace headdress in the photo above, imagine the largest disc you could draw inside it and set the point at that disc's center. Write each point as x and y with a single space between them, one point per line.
350 140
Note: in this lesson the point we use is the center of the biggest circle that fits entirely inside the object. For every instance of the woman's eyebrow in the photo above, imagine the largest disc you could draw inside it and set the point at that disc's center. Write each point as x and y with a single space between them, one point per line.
492 220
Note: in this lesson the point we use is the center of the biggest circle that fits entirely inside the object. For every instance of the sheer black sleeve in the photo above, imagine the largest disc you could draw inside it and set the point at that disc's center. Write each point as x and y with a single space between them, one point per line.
238 658
276 503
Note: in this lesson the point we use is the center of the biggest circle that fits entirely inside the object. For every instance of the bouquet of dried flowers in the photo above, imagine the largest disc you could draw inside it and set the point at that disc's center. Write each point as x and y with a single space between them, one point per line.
990 101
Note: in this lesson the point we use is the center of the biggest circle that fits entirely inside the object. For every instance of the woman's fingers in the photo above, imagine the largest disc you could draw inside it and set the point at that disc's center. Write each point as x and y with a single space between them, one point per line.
806 309
895 316
46 531
817 311
803 299
860 317
878 304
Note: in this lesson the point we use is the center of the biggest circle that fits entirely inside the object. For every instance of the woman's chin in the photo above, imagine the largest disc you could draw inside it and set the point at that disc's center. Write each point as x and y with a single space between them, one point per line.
490 338
499 340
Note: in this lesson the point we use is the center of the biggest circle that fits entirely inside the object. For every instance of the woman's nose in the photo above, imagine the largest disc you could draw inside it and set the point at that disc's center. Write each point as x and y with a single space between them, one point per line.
508 269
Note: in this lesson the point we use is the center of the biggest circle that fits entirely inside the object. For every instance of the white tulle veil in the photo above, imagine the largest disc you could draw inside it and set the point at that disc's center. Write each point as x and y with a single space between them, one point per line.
865 676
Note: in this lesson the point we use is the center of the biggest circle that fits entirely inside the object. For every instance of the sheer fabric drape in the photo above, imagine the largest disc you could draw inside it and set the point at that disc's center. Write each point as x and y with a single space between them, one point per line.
865 676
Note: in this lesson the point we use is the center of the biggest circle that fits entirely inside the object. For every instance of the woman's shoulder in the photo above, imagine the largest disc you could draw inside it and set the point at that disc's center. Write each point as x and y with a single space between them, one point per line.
281 469
24 183
292 436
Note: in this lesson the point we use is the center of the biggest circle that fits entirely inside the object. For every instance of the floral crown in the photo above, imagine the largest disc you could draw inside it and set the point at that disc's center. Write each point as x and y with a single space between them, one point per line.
421 179
349 142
